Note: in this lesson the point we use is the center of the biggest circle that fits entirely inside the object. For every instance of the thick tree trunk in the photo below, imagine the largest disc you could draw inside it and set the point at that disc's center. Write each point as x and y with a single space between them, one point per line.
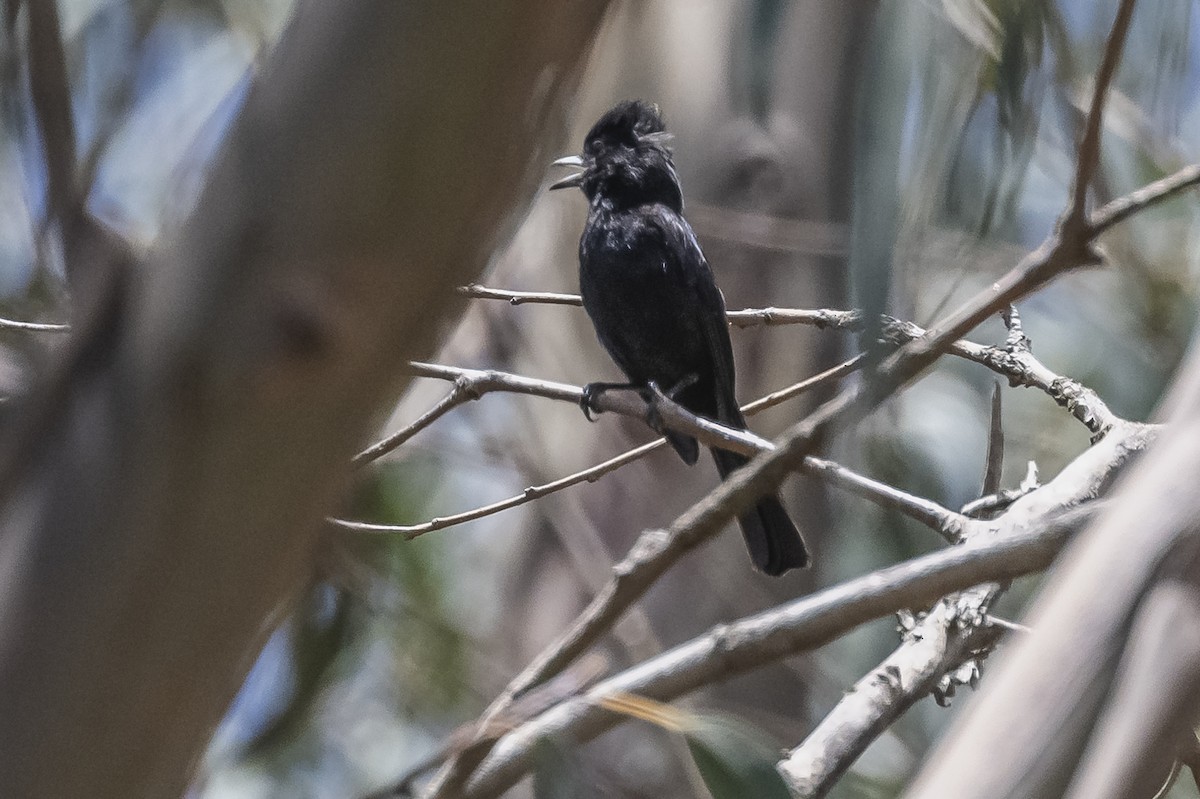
173 499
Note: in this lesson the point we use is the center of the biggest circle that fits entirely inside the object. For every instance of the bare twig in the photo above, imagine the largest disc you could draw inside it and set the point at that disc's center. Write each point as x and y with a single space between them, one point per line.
749 317
822 318
477 292
1149 195
945 522
460 394
1016 363
1007 625
673 416
589 475
531 493
1089 146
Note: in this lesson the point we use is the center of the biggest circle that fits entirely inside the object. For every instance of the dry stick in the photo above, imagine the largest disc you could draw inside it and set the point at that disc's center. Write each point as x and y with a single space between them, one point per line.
462 392
478 292
677 418
591 474
1088 159
822 318
655 551
1122 208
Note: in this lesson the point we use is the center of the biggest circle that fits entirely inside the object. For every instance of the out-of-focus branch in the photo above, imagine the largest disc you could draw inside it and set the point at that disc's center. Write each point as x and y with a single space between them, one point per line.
214 401
1151 194
1088 159
36 327
51 95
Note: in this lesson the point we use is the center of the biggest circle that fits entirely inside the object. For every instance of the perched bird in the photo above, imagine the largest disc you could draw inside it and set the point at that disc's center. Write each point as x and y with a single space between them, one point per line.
654 303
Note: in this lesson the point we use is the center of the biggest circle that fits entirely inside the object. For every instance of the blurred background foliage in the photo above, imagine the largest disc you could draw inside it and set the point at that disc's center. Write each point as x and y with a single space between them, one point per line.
888 154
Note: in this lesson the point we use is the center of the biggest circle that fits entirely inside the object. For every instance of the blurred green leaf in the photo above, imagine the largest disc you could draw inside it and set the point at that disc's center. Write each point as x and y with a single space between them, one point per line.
734 760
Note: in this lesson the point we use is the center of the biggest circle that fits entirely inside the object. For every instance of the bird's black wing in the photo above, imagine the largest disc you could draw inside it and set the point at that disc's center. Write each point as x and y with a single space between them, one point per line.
683 254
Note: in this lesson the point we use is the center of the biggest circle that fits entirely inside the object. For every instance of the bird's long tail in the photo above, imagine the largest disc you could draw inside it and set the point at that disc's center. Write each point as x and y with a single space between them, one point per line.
774 542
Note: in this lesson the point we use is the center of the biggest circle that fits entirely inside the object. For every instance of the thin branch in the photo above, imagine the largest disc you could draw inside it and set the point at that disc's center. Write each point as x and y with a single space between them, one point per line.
796 389
477 292
458 395
1149 195
950 525
591 474
530 494
947 523
1016 362
1089 146
822 318
1019 366
1008 625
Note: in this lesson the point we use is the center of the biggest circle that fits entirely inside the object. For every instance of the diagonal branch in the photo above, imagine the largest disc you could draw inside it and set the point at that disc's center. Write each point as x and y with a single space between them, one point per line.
1089 146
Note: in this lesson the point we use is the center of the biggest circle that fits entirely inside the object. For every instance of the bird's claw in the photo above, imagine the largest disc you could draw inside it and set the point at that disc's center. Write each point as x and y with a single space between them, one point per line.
591 393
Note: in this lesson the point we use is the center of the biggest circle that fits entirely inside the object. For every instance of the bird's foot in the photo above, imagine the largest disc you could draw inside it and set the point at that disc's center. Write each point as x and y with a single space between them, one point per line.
655 396
591 395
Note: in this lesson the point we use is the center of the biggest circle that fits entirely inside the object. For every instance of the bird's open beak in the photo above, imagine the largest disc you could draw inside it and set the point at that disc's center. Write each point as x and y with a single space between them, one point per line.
571 181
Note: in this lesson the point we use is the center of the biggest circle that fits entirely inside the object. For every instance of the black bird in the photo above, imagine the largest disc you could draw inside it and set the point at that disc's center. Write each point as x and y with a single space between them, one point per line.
654 303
